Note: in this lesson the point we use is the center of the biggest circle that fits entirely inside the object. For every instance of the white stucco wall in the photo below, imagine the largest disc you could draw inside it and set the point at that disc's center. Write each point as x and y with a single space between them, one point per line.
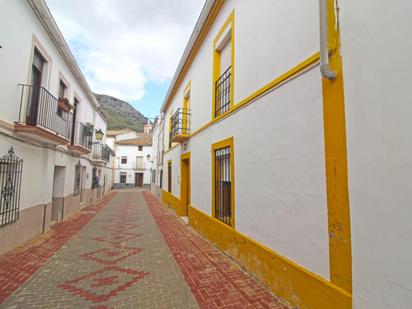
280 185
15 60
19 29
377 50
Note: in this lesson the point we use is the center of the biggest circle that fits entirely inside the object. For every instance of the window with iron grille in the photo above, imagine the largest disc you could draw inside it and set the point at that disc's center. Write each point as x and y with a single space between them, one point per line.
222 93
123 177
77 179
11 168
140 148
124 160
223 185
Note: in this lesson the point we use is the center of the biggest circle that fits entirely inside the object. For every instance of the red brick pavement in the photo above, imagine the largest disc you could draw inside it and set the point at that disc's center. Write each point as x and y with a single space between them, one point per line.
18 265
215 280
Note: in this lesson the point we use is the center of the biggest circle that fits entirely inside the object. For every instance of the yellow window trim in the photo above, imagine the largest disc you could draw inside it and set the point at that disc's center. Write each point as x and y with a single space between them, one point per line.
277 82
228 142
216 61
186 105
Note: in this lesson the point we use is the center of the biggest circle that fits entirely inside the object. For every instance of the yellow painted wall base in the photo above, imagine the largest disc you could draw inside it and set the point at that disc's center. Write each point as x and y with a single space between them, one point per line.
173 202
286 279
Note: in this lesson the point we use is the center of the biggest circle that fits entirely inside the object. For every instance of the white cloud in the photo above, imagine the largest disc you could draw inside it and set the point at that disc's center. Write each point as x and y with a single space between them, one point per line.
121 44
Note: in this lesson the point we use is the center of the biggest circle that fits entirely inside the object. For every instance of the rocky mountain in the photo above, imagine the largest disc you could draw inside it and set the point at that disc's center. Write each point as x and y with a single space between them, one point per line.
120 114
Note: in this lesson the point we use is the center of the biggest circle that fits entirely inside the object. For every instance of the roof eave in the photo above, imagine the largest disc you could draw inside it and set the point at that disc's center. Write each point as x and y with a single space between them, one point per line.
42 11
189 47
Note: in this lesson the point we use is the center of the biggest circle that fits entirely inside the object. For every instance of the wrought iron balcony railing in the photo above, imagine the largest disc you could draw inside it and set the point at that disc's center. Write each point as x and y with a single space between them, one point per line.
180 129
101 152
222 93
82 135
38 107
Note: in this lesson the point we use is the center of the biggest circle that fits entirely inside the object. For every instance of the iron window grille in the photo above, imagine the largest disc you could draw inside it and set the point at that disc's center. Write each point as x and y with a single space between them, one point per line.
223 185
222 93
11 168
82 135
77 179
123 178
180 122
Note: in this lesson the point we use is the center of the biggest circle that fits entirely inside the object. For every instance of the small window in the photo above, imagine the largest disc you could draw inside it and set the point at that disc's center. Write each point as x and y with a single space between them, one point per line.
124 160
123 177
140 148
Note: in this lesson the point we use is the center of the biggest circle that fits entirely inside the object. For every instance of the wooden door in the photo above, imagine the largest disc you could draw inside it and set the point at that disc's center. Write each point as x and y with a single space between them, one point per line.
185 185
36 81
138 180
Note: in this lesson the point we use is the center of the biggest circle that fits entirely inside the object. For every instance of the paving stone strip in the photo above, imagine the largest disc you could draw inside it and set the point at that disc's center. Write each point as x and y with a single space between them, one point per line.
18 265
215 280
129 251
118 260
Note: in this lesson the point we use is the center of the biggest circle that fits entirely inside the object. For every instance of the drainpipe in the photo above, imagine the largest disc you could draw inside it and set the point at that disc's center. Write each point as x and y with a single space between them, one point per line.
324 42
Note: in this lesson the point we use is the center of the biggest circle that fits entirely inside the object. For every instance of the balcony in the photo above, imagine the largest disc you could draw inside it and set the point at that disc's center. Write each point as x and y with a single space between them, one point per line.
82 137
42 117
180 130
139 165
101 152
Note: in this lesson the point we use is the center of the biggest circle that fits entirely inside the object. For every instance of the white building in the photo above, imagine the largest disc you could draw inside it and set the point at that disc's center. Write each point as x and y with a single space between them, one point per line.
133 162
303 178
157 158
51 119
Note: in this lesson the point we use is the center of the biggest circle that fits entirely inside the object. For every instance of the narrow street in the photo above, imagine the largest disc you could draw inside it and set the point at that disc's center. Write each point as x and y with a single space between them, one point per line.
127 251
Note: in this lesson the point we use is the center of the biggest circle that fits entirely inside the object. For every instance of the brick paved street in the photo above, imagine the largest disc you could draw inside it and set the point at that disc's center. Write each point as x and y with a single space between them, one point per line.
127 252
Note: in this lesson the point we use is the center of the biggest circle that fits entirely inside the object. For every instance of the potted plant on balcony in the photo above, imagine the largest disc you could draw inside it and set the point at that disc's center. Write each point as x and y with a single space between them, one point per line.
64 105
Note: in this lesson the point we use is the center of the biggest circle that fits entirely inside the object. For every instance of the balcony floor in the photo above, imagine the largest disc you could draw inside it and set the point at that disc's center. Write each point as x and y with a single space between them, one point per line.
78 149
40 134
180 138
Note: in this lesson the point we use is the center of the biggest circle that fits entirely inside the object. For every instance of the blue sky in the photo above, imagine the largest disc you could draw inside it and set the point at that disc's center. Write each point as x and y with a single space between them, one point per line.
128 49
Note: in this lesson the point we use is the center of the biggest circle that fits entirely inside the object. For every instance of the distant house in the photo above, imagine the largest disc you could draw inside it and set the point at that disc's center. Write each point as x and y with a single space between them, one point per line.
157 157
51 120
133 162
